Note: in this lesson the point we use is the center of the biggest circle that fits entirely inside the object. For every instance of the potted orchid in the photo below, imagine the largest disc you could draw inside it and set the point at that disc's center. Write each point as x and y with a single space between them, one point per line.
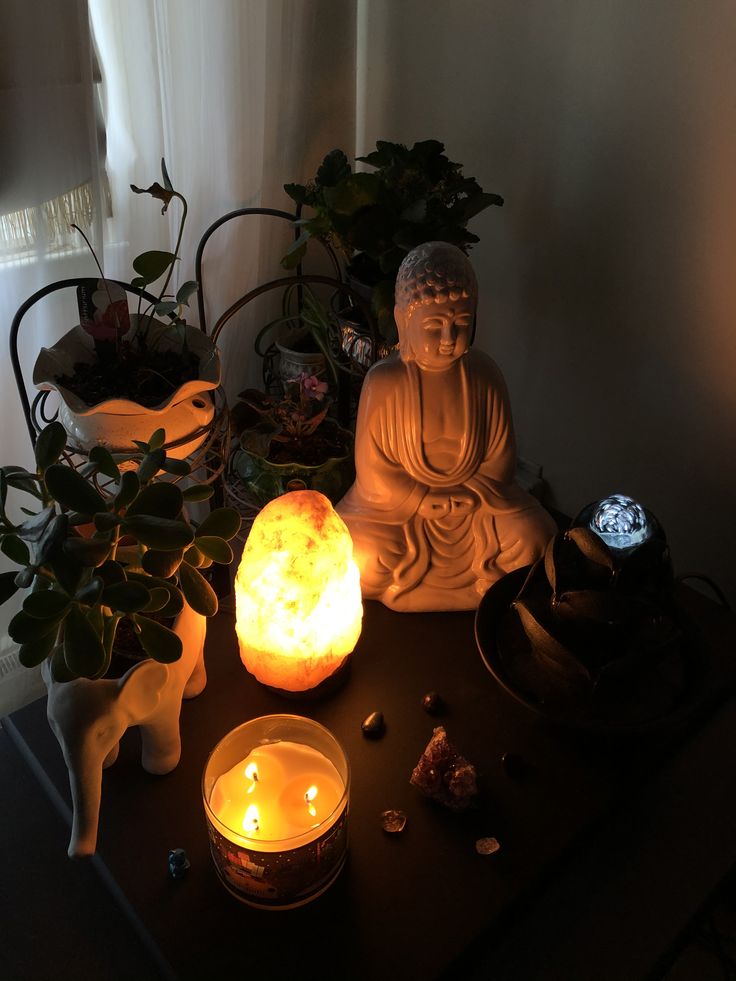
289 442
120 374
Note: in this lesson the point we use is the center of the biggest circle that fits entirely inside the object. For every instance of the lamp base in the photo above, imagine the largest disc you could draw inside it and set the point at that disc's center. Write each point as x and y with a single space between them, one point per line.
332 684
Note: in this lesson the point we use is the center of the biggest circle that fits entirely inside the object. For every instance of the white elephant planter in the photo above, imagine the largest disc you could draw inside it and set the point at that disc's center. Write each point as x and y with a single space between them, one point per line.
89 718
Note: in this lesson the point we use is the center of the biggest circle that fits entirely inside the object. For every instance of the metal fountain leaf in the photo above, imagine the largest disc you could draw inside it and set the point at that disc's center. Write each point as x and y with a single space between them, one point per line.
554 655
592 546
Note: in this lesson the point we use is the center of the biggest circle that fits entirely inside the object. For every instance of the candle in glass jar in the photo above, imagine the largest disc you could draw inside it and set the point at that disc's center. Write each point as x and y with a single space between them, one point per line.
280 790
276 793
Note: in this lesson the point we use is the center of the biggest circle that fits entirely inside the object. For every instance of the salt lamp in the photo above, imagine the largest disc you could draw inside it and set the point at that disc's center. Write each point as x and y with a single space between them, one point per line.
297 593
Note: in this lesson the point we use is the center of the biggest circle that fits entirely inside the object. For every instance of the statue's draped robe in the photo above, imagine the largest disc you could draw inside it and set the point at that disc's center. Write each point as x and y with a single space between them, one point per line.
416 563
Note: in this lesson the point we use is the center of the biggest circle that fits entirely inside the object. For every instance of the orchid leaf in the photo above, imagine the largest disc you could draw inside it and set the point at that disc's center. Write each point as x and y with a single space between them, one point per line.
186 290
152 265
166 307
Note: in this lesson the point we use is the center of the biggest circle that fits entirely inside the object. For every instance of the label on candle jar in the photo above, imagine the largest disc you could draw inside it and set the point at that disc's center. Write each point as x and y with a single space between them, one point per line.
285 878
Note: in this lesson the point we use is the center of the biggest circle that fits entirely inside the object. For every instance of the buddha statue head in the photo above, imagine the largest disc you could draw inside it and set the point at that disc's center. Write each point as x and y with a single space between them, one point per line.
436 298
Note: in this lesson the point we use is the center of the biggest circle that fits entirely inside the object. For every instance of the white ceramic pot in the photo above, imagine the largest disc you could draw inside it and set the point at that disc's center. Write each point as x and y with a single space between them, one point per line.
293 363
117 422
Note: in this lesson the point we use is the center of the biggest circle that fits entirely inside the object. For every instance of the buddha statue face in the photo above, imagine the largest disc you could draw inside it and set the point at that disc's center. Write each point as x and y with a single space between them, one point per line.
436 295
436 333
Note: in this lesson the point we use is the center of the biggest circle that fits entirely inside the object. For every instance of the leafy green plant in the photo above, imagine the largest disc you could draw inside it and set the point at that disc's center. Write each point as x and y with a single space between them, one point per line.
260 420
412 195
302 308
101 545
130 363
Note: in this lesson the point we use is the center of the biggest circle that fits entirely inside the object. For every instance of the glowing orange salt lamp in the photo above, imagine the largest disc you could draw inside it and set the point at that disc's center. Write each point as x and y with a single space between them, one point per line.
297 593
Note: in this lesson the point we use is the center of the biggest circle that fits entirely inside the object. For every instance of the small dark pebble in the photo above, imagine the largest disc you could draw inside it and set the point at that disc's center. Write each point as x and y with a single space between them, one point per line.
179 864
373 725
432 703
513 764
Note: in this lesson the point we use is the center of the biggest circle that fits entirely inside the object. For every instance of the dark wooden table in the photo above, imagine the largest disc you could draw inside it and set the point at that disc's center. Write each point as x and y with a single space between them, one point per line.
608 846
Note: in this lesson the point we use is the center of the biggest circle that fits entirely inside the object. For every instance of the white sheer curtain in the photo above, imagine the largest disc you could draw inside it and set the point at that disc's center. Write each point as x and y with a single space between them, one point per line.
50 176
239 96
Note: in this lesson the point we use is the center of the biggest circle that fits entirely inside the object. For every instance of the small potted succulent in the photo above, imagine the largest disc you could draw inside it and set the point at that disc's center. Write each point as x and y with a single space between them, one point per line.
289 442
412 195
120 375
102 549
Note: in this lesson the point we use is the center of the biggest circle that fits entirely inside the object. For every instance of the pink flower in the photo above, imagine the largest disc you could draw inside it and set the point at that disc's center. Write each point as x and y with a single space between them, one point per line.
312 387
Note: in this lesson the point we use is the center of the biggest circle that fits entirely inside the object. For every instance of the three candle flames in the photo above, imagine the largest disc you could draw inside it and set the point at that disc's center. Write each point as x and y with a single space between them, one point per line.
251 818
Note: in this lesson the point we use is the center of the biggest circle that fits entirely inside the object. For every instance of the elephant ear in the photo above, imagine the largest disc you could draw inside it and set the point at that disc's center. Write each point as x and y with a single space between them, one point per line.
140 689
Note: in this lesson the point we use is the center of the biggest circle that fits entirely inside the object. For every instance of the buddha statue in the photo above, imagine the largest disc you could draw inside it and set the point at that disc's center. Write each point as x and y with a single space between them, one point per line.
435 513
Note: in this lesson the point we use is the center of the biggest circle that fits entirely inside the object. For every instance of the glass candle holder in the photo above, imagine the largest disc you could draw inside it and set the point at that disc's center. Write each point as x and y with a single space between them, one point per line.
275 793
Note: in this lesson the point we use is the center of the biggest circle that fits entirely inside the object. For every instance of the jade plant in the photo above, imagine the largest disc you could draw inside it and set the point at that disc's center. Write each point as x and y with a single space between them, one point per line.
102 545
412 195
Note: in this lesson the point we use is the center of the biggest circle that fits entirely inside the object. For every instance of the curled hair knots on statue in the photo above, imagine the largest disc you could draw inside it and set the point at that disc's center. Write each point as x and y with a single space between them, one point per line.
434 272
